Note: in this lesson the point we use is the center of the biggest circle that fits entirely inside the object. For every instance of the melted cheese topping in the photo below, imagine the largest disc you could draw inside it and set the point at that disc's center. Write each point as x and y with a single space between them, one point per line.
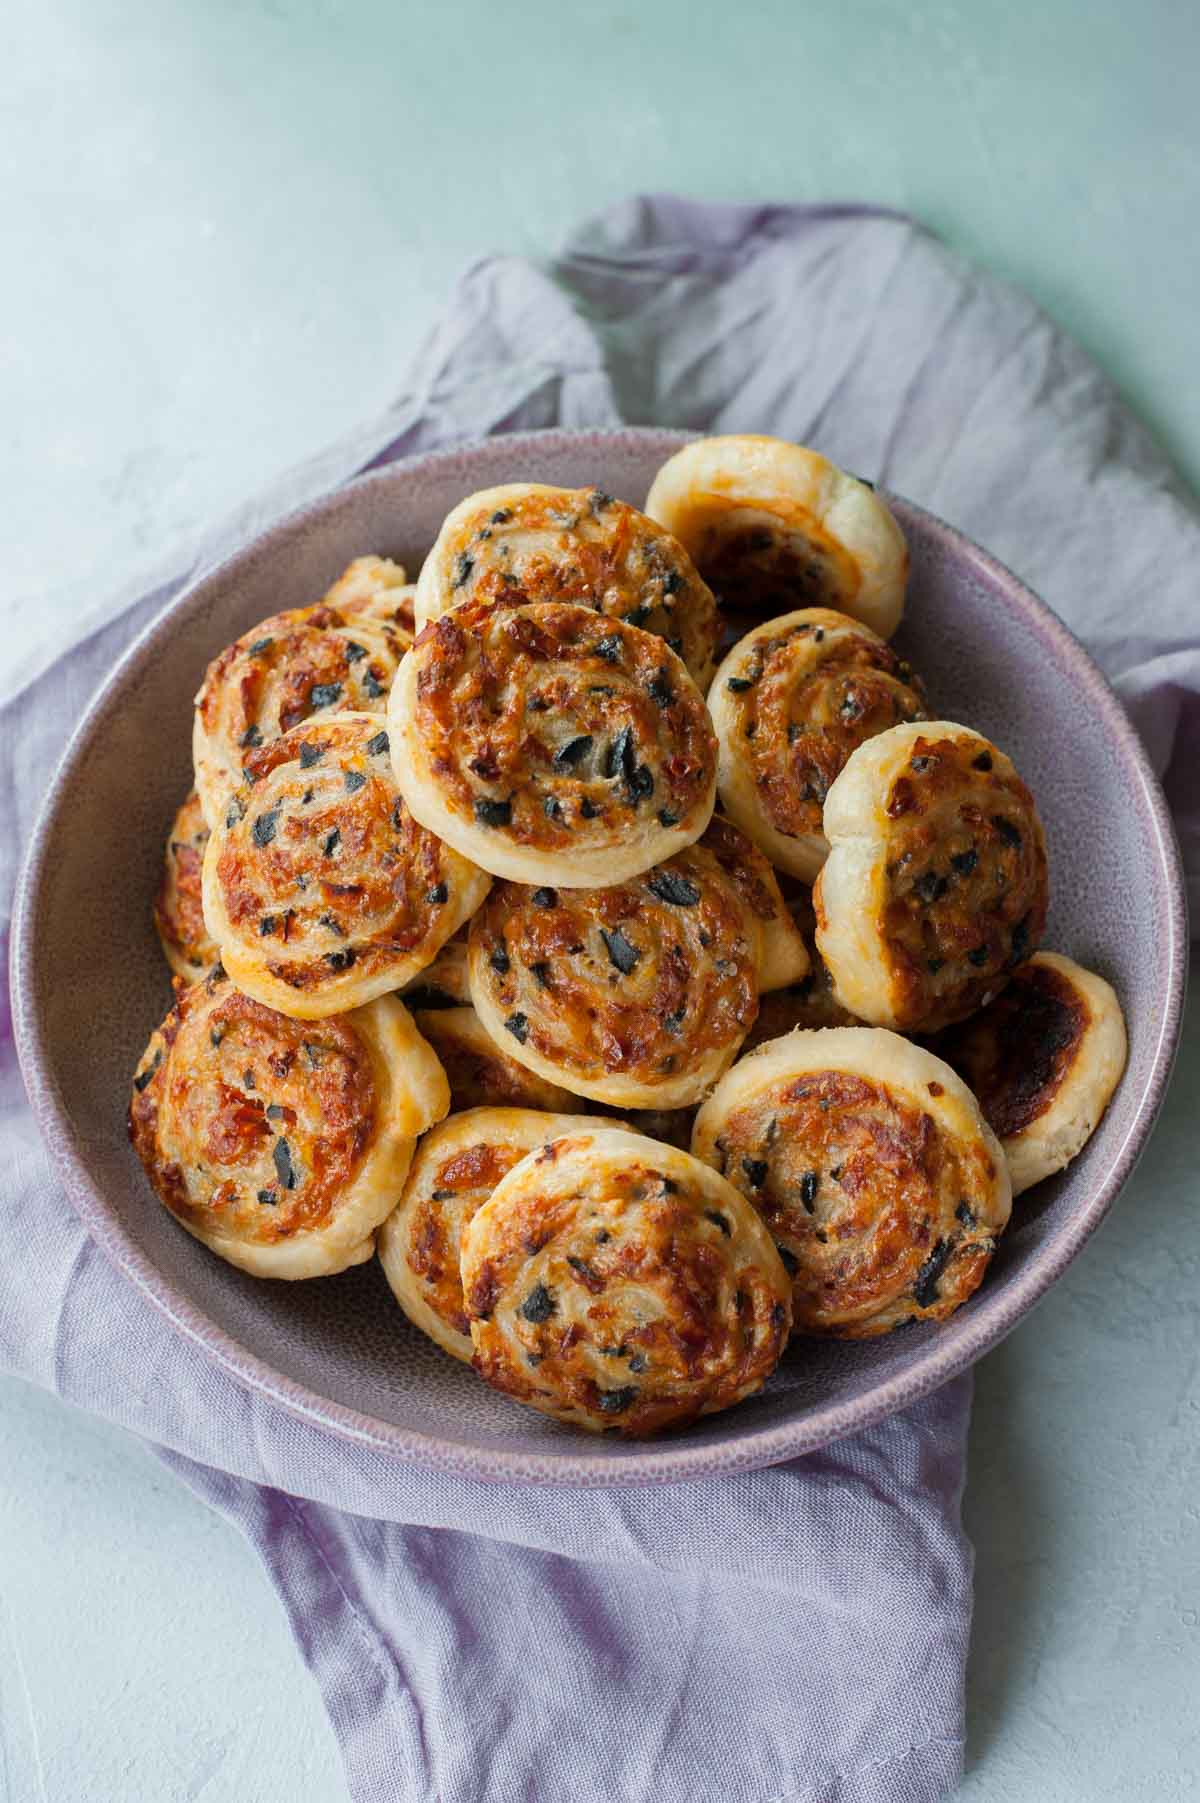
551 744
872 1166
281 1144
319 886
615 1283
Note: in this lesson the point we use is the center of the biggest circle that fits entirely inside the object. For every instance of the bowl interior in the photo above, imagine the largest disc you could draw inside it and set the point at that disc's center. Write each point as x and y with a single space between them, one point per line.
91 983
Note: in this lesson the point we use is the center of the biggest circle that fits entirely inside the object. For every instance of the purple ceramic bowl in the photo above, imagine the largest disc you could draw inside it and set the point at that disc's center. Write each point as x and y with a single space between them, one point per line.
90 984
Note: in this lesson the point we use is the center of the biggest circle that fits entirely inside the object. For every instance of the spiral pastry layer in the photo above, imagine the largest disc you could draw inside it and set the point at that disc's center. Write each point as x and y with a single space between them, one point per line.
311 661
790 703
638 995
551 744
773 526
178 908
320 888
457 1166
375 588
613 1282
527 542
936 885
874 1169
282 1144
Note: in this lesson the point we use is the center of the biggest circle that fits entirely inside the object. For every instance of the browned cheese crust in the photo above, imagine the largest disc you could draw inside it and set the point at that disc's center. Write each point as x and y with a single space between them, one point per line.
644 984
611 1285
556 731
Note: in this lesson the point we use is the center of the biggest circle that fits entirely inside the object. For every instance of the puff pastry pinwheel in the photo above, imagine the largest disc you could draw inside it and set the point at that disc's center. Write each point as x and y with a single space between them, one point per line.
772 526
551 744
1043 1059
320 888
282 1144
309 661
613 1282
480 1072
936 886
527 541
873 1167
638 995
375 588
178 909
790 703
457 1166
442 984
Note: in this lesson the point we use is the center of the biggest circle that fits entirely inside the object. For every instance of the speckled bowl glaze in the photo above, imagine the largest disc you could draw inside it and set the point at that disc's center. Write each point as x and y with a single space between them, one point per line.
90 983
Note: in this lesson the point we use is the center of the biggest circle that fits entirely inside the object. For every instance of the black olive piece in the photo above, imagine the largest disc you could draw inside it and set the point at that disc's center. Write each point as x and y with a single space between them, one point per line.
978 956
609 648
332 841
719 1220
930 886
739 684
437 895
324 694
443 1195
659 689
613 1402
354 652
499 960
964 862
602 1236
790 1262
378 745
264 826
284 1168
672 582
341 959
637 1363
756 1171
501 516
619 755
640 783
1020 940
267 925
808 1188
637 616
588 810
982 762
492 813
310 754
573 752
251 736
1010 834
920 765
598 500
268 1198
216 1036
667 818
933 965
335 926
372 685
925 1289
462 569
621 951
354 780
541 973
274 1111
143 1077
261 645
965 1213
669 886
544 898
580 1266
518 1026
673 1022
538 1306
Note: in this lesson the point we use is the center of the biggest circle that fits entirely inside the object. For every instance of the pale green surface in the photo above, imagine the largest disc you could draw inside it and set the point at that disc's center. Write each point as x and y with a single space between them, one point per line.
227 226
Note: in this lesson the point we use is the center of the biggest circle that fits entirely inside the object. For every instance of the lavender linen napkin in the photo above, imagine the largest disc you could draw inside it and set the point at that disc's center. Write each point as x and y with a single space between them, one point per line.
794 1634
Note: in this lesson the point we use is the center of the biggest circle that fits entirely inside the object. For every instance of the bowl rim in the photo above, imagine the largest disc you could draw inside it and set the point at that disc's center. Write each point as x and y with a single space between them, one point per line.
655 1462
